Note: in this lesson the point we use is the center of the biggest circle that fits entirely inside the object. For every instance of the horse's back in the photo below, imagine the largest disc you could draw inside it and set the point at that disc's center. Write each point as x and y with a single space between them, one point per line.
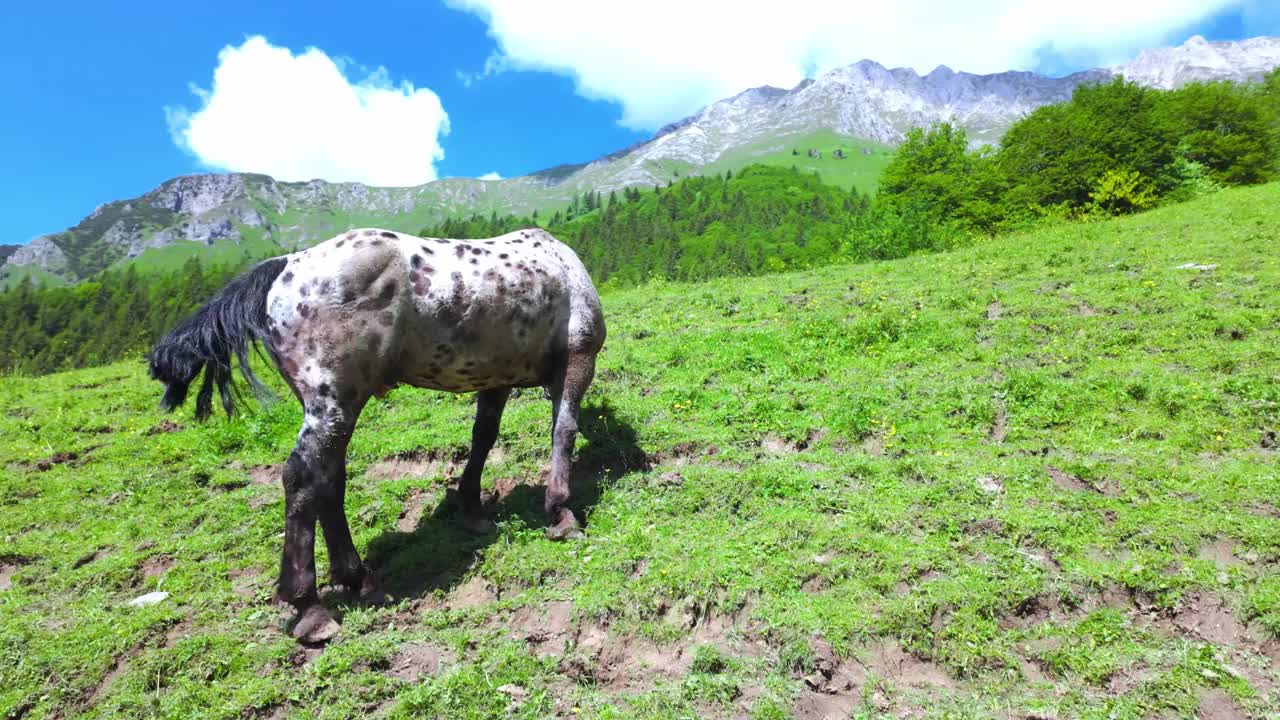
449 314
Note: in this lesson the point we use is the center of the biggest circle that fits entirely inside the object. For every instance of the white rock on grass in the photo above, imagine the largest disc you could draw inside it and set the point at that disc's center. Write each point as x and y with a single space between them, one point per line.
989 485
150 598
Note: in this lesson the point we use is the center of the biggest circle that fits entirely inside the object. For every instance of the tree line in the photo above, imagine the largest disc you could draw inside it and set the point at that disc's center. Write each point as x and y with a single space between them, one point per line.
1113 148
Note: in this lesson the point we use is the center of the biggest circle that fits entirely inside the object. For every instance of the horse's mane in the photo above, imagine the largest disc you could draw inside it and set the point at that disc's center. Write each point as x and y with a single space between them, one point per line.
226 326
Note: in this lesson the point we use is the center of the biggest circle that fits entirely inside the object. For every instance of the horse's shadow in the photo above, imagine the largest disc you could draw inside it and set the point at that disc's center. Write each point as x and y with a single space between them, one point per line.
439 551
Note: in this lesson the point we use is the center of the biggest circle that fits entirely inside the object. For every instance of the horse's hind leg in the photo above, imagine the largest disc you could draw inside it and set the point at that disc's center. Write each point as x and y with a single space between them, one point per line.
566 401
489 406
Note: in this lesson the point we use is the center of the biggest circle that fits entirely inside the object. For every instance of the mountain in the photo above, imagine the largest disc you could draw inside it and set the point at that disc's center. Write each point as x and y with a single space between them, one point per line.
861 108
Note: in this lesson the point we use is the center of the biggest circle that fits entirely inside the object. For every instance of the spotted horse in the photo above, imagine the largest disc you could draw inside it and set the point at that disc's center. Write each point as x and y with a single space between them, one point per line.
358 314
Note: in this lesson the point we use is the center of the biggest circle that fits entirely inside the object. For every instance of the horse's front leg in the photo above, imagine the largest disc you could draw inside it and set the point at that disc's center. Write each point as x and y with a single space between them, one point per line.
489 407
314 483
345 567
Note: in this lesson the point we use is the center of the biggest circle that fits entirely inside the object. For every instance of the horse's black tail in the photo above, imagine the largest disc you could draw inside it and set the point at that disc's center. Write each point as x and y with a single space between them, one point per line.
227 325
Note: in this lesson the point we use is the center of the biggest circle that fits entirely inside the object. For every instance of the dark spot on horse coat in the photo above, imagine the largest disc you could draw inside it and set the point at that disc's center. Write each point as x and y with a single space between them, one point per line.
428 269
391 235
305 290
460 250
502 256
287 277
476 251
351 235
303 310
323 389
475 261
537 244
325 286
344 242
357 243
416 261
386 317
428 250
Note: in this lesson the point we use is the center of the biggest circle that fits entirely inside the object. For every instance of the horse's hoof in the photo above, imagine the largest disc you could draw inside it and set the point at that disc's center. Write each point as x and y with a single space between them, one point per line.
316 625
566 529
371 592
478 524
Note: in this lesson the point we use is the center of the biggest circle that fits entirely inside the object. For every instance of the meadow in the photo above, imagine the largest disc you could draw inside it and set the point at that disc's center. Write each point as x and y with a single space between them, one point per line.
1034 477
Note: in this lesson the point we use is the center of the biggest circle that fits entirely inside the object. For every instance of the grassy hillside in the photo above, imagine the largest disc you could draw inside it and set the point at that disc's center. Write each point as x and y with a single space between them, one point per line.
327 210
1032 478
860 168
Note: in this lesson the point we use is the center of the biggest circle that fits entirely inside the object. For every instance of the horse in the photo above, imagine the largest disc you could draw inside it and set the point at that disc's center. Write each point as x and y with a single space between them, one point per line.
356 315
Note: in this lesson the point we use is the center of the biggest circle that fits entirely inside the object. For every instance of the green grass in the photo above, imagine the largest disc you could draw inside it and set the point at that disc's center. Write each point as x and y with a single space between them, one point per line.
12 275
172 257
829 493
861 168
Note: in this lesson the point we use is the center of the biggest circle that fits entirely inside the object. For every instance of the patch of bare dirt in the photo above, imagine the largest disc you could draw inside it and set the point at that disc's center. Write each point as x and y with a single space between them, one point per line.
88 557
873 445
1128 678
244 582
418 463
1084 309
545 628
1221 553
177 633
1216 704
165 426
835 687
889 660
624 663
680 454
627 663
503 487
1075 483
157 565
995 310
1205 617
7 571
474 592
415 505
775 445
1000 423
832 675
266 474
821 706
71 457
418 660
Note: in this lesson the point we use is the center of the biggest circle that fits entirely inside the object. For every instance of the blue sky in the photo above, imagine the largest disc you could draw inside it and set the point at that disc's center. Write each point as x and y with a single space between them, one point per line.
86 86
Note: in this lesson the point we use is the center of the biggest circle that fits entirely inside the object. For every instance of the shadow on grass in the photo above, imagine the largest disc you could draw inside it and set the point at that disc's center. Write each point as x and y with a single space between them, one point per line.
439 551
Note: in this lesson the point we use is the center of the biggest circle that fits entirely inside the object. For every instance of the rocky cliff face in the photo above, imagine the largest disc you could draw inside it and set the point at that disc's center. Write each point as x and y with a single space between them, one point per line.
863 100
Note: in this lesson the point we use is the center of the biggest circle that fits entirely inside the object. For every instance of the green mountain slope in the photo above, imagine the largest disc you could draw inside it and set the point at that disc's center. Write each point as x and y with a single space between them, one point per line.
1035 474
215 216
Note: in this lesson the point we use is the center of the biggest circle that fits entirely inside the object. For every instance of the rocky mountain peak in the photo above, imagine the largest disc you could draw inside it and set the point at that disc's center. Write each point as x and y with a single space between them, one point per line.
863 100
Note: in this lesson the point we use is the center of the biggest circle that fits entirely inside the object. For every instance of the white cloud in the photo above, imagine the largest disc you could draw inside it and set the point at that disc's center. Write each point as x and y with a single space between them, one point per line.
665 59
298 117
490 176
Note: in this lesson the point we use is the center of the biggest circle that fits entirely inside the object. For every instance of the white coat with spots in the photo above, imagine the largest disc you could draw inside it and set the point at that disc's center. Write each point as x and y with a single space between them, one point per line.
358 314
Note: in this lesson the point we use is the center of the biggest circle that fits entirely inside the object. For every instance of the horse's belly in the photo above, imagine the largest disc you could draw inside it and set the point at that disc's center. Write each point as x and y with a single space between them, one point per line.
487 345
